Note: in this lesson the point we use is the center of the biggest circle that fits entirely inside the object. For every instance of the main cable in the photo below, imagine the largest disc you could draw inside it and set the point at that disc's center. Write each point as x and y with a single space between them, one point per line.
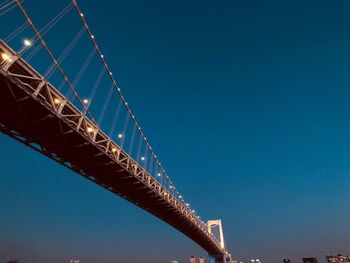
92 38
29 21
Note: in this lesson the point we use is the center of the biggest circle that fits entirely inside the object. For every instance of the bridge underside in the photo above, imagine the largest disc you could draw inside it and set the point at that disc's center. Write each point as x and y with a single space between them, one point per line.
26 117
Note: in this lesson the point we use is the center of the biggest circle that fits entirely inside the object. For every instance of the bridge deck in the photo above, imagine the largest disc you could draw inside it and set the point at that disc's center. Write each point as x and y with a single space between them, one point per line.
33 112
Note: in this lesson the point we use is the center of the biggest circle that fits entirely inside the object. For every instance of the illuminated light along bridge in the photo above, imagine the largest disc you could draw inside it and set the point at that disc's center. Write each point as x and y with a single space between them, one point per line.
35 113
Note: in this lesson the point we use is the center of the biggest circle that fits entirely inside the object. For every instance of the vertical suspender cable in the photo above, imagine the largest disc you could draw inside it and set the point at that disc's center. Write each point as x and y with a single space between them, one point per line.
115 120
51 54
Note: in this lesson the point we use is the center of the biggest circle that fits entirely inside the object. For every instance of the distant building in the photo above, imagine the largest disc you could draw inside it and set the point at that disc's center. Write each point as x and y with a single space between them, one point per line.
173 261
192 259
201 260
255 260
286 260
338 259
74 261
310 260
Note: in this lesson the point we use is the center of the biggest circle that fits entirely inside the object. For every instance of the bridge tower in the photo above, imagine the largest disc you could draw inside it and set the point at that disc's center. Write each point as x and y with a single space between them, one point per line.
218 258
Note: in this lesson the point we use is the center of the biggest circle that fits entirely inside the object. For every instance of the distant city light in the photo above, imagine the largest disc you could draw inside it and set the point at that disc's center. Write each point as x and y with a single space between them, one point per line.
27 42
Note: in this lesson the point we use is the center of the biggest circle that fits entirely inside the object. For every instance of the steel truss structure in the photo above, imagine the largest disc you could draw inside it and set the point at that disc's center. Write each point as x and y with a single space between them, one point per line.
36 114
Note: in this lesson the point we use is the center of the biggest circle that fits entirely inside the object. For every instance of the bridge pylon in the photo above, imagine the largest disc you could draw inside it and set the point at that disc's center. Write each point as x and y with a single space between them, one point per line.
225 258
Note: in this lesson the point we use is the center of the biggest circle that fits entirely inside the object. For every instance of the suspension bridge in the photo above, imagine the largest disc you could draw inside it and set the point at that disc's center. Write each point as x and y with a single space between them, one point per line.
41 107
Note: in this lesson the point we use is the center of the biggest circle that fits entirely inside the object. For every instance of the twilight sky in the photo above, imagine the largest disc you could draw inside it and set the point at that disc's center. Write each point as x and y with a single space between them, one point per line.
246 104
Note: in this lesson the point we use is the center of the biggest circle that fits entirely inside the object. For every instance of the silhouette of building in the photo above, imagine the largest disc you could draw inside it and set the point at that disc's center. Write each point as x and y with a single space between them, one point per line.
310 260
338 259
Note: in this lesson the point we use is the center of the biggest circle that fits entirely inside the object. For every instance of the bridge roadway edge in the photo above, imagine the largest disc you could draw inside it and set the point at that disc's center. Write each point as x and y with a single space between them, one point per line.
31 121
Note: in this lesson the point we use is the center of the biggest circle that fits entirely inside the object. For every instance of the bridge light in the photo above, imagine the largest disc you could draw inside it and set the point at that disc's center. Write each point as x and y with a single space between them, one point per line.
143 158
158 174
180 196
6 57
86 101
120 135
187 204
102 56
92 36
27 42
81 14
56 101
171 187
114 149
89 129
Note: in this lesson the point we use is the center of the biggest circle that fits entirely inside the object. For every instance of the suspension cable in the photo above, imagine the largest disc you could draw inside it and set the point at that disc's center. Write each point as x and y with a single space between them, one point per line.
46 29
16 32
65 52
95 88
115 119
51 54
92 38
102 114
6 3
8 10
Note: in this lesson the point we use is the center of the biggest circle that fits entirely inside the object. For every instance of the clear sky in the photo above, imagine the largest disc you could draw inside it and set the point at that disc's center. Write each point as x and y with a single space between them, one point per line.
247 105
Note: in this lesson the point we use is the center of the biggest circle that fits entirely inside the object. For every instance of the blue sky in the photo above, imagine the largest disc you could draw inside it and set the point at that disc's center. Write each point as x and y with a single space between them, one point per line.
246 103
